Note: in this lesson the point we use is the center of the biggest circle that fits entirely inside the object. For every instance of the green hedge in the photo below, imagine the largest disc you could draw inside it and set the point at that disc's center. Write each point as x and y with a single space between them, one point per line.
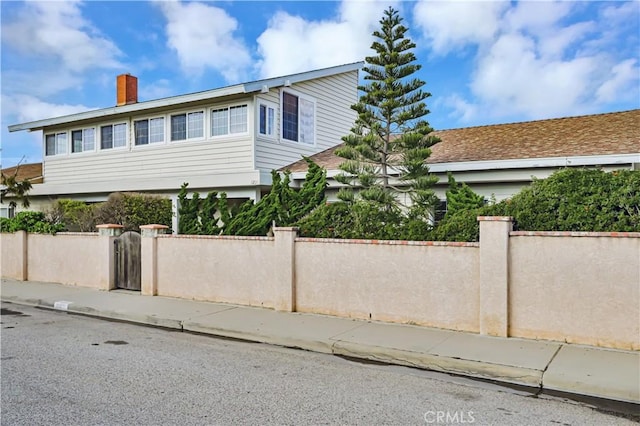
34 222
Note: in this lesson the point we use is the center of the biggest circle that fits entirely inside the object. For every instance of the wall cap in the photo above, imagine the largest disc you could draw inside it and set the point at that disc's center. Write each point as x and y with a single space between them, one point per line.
495 219
109 226
286 228
574 234
154 226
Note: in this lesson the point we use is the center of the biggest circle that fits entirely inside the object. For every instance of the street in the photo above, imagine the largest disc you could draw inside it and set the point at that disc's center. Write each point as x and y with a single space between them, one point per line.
63 369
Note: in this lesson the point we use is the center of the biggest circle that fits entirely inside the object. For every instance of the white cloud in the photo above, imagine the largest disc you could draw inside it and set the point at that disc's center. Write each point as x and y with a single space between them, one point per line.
293 44
57 29
449 26
622 83
535 59
25 108
203 37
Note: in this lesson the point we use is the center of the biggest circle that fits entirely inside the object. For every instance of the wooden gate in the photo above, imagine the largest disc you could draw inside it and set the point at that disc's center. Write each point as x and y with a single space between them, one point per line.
127 261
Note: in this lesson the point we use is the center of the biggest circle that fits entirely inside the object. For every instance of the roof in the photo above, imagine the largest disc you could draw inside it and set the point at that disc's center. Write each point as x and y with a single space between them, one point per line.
31 172
243 88
588 135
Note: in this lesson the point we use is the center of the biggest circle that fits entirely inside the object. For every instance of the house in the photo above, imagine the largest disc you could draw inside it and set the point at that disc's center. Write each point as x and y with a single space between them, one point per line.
499 160
29 172
227 139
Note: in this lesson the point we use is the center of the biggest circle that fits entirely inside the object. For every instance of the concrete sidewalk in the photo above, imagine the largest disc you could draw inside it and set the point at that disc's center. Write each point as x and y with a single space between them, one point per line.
555 366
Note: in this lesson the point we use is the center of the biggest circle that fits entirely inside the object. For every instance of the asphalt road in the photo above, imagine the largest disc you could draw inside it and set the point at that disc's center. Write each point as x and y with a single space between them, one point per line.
63 369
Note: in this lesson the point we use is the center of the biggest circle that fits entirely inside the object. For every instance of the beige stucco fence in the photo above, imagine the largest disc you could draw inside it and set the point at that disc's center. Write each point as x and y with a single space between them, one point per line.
574 287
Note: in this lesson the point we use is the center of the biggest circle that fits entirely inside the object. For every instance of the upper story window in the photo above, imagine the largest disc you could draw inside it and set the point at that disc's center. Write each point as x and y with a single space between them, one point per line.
266 118
113 136
56 144
229 120
149 131
298 118
187 126
83 140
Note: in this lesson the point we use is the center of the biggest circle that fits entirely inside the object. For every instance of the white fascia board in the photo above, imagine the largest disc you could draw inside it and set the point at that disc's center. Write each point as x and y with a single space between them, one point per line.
526 163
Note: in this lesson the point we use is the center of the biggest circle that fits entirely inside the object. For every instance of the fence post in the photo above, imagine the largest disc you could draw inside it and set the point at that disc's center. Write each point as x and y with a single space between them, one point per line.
285 291
494 274
108 232
149 258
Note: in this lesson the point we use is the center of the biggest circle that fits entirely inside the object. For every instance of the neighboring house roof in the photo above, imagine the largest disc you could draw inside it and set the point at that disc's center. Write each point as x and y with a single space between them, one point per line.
238 89
589 135
31 172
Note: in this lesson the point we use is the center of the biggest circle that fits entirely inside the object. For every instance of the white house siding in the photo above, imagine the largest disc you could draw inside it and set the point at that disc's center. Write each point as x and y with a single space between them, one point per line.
184 159
334 118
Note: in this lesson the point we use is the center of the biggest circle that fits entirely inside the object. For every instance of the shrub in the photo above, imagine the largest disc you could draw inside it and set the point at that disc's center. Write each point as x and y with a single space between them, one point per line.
132 210
75 215
29 221
569 200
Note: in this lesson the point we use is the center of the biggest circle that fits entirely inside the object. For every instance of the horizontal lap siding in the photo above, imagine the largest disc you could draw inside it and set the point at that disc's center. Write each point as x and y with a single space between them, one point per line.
334 118
432 286
176 159
575 289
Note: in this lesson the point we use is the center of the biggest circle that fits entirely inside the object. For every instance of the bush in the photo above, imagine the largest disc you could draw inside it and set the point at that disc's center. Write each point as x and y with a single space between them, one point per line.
29 221
132 210
569 200
74 215
361 219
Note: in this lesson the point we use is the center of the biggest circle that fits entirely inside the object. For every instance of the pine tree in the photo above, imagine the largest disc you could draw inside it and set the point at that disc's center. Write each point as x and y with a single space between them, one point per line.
386 151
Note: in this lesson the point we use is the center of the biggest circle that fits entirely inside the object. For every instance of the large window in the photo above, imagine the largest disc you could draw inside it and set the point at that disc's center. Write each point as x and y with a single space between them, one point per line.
113 136
55 144
298 118
229 120
266 118
83 140
149 131
187 126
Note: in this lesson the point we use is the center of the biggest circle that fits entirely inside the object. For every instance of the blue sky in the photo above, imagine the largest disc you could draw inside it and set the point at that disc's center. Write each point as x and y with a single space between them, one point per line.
484 62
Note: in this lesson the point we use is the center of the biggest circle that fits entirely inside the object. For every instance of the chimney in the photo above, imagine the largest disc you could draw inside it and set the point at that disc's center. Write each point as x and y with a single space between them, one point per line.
127 89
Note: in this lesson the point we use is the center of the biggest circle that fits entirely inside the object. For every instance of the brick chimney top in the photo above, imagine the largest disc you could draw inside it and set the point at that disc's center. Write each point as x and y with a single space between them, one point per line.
127 89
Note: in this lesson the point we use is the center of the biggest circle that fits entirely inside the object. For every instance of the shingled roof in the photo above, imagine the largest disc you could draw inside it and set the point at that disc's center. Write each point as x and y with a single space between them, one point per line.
31 172
600 134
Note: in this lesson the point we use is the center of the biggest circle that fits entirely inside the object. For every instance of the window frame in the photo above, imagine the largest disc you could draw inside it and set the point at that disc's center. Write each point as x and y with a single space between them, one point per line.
300 127
55 144
149 142
113 124
186 130
227 108
268 105
83 130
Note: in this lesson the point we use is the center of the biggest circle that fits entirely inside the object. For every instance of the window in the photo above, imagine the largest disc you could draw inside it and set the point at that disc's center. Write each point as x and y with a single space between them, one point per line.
7 212
56 144
187 126
83 140
225 121
298 118
149 131
440 211
266 119
113 136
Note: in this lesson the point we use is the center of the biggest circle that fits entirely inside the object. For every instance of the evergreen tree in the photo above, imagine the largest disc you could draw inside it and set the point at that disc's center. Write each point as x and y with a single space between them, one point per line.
18 189
390 141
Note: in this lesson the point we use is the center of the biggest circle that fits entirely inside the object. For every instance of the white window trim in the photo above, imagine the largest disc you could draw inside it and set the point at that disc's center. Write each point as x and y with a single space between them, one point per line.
96 138
67 150
187 139
113 148
167 128
315 114
274 106
228 108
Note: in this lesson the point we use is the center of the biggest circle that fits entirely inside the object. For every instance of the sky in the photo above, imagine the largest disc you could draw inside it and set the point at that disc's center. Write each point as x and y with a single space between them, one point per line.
484 62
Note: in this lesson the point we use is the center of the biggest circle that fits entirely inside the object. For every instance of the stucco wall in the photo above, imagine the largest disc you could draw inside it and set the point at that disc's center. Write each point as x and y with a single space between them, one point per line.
11 253
579 289
72 258
218 269
434 284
